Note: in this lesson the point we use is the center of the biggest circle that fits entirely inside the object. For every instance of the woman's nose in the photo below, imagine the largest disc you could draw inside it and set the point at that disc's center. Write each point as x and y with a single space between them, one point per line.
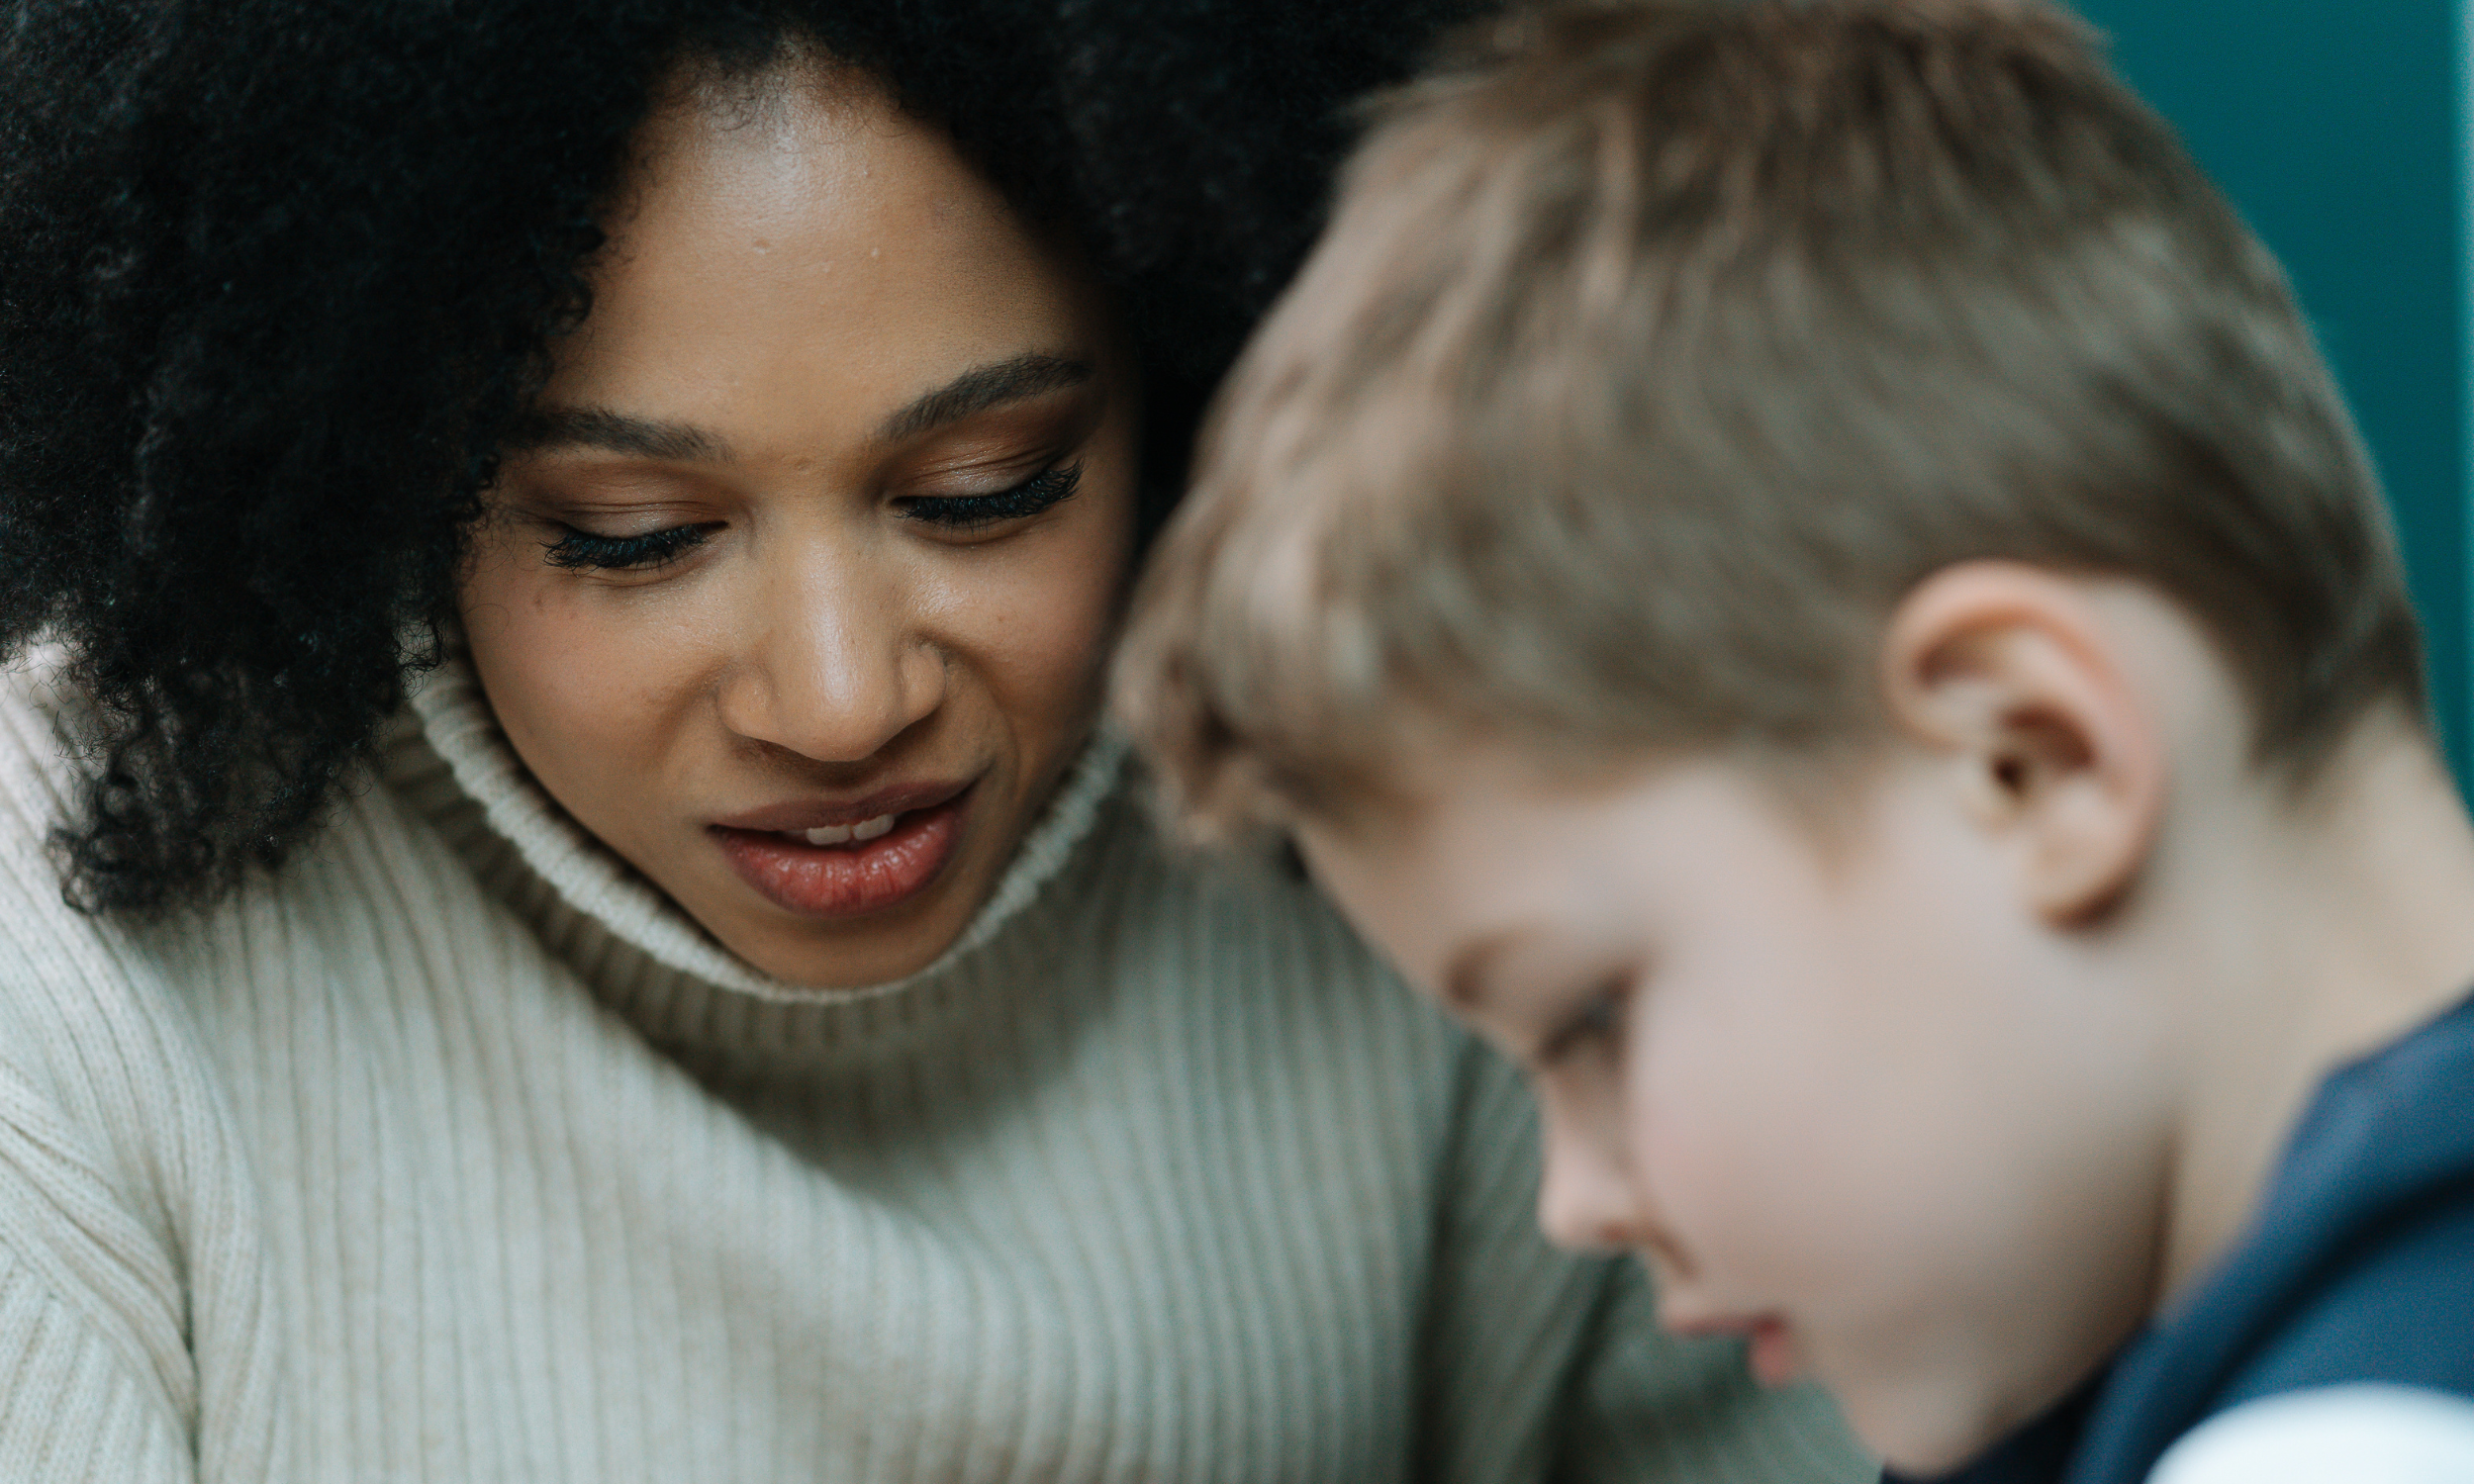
833 668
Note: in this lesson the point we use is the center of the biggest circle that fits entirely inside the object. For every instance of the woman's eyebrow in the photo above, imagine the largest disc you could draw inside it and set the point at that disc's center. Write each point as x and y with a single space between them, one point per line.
973 390
981 387
605 431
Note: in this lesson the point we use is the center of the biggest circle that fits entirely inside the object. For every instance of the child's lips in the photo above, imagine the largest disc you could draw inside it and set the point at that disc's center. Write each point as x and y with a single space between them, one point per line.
1770 1349
1768 1343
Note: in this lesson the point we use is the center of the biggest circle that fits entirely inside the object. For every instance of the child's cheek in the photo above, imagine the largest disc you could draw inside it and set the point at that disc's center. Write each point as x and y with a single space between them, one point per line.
1732 1134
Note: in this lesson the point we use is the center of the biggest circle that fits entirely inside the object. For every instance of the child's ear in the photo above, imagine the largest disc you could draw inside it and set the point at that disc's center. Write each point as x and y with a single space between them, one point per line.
2005 671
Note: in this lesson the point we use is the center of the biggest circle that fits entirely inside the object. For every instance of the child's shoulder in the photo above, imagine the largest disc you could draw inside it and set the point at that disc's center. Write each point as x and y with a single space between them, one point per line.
2365 1433
2355 1284
2366 1241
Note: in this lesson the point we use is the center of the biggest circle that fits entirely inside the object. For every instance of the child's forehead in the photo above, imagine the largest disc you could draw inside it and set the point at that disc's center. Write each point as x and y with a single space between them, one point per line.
1488 818
1503 865
1438 774
1442 780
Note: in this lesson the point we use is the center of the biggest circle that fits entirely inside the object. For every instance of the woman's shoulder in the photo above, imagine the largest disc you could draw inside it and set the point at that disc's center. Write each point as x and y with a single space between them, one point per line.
49 949
114 1018
41 778
1244 913
1246 939
105 1091
60 968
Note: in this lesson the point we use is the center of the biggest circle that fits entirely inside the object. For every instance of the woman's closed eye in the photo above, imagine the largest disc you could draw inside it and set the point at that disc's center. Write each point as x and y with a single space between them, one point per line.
974 512
650 550
643 551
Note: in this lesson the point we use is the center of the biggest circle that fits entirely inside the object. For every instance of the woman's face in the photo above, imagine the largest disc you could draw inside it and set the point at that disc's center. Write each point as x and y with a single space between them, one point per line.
799 583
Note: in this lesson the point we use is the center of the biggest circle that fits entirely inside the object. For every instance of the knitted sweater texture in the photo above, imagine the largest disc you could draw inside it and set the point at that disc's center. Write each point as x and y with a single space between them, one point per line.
455 1152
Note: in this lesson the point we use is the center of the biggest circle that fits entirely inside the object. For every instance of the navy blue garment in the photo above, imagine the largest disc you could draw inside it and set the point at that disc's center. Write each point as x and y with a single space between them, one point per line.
2359 1268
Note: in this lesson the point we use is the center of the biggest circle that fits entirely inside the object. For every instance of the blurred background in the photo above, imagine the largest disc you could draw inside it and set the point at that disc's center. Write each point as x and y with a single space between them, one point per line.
2341 132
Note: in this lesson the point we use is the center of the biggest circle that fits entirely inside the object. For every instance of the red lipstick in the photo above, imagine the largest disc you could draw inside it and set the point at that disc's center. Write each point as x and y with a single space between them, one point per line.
846 857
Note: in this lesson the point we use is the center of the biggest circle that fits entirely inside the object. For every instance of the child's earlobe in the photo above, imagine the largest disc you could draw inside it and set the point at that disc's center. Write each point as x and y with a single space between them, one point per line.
2008 674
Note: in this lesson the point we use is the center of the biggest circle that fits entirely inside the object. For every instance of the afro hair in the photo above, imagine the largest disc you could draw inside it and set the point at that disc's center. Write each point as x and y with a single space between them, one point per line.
278 276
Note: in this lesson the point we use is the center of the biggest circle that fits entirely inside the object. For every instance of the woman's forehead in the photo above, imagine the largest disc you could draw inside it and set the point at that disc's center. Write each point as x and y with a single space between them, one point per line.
776 138
799 265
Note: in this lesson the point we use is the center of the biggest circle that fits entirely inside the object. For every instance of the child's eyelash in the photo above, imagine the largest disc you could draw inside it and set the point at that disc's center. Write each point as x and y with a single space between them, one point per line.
1600 1018
654 548
1047 488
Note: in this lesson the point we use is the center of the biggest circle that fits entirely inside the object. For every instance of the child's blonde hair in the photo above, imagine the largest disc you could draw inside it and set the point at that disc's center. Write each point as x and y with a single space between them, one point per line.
1658 348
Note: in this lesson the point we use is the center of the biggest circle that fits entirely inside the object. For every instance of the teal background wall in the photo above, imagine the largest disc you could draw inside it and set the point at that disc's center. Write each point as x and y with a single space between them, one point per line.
2336 130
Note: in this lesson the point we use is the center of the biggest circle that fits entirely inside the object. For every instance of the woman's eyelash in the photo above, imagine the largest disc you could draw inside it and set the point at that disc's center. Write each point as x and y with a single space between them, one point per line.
657 548
1047 488
654 548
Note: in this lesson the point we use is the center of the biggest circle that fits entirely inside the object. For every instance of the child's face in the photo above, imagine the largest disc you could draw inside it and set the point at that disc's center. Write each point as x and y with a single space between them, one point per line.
1845 1093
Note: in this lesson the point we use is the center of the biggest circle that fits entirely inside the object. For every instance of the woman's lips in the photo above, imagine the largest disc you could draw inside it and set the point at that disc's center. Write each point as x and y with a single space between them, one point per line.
852 879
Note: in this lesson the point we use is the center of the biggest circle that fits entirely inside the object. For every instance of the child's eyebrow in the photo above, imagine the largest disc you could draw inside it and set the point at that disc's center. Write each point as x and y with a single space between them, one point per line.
1466 977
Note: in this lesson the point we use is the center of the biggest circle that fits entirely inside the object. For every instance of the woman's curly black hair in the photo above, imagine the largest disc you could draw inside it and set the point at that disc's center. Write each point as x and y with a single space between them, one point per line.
277 277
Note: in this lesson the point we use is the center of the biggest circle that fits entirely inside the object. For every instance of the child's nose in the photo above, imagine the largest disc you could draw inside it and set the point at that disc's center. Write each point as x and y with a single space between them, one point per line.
1585 1200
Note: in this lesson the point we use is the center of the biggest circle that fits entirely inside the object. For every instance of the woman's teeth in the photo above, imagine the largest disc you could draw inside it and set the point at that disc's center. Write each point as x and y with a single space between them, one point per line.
844 834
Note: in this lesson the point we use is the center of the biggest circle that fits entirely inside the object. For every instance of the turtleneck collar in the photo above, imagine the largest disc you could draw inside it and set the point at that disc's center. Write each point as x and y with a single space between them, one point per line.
455 721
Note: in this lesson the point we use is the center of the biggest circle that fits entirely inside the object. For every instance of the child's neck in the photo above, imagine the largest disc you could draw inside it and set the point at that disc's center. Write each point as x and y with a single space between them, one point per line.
2332 925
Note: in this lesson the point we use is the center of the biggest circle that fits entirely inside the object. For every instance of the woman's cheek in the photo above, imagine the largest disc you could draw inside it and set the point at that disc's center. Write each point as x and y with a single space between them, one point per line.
1060 635
578 673
1039 621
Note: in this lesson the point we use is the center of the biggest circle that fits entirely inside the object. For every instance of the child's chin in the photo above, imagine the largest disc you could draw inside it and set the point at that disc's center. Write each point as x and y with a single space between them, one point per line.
1919 1430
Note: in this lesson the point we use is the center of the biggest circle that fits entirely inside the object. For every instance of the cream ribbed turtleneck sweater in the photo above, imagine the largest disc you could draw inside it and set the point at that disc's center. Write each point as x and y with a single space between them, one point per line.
458 1153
